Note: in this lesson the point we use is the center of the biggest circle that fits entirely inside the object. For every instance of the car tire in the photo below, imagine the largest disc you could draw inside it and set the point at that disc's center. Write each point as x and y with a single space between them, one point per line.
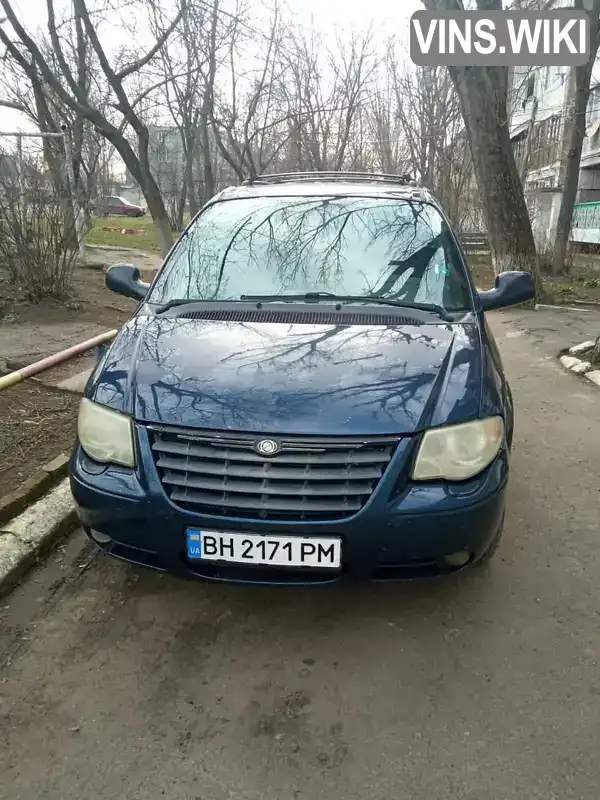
494 545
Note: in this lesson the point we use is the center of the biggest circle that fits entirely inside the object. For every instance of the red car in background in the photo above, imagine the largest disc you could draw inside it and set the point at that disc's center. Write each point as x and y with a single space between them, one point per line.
109 205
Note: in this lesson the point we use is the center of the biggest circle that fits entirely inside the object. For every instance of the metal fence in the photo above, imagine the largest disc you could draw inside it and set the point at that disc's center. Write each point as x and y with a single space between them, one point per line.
586 223
475 242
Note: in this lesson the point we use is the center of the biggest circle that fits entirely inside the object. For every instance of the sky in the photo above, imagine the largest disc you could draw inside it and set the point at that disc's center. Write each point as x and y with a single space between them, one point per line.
329 16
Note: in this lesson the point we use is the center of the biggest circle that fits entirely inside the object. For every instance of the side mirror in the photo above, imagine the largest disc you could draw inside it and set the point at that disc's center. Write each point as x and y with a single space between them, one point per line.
125 279
510 289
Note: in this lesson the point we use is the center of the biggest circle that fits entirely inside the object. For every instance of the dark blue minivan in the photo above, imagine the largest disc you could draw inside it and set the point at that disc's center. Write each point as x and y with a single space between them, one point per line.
307 391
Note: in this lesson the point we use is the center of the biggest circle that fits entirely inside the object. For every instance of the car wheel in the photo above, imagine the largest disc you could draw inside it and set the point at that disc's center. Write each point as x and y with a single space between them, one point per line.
495 543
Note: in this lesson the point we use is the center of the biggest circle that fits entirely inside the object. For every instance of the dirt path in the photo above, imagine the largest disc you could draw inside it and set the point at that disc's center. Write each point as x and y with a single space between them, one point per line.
32 331
115 683
37 423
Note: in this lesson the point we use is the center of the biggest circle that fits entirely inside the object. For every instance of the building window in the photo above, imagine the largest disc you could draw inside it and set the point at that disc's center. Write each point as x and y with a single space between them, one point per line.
593 107
530 87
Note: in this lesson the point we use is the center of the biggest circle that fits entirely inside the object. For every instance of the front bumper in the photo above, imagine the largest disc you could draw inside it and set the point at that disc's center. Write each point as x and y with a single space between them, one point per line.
397 535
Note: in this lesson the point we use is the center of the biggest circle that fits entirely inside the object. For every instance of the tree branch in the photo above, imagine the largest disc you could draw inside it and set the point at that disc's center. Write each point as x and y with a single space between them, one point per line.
141 62
16 106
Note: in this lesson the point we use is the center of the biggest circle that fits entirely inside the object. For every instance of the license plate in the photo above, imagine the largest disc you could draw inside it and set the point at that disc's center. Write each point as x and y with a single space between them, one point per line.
323 552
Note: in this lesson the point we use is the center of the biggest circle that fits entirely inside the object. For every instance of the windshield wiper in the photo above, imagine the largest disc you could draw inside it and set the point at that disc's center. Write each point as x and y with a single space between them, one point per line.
177 301
183 301
348 298
186 301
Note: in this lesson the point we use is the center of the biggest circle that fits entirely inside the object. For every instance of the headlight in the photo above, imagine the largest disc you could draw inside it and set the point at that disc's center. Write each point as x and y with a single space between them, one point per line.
458 452
105 435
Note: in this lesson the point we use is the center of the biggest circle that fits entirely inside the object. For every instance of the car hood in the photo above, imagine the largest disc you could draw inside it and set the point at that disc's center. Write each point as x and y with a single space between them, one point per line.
293 378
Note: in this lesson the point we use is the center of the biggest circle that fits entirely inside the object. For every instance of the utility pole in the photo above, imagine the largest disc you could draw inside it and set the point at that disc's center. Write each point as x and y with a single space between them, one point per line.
20 175
78 214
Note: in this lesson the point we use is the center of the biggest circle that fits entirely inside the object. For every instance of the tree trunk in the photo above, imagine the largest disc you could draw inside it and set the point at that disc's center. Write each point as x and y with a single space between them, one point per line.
573 139
149 187
140 170
208 178
181 203
482 93
160 218
206 112
192 197
189 188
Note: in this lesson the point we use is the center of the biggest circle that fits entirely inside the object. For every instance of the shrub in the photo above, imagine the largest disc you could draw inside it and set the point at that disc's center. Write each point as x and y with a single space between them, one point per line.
37 236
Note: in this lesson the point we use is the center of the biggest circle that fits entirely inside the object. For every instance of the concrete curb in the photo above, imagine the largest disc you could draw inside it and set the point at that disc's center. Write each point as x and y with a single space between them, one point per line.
580 366
76 383
33 488
562 308
26 537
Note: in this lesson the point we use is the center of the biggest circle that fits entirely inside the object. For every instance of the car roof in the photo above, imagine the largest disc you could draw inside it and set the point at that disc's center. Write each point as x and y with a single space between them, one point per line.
331 184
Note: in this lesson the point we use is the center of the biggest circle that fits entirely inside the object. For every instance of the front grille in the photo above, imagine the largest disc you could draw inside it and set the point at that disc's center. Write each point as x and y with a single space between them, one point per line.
311 478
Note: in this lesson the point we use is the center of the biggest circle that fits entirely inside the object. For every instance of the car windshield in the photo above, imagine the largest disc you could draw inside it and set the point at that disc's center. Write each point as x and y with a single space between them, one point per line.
347 246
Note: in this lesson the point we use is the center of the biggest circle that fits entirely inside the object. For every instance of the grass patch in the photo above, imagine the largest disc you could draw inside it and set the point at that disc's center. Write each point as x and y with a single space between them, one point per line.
481 271
144 239
562 288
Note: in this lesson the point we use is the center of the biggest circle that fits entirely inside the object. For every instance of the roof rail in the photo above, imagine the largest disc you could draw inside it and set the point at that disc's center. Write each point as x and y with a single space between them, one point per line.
331 175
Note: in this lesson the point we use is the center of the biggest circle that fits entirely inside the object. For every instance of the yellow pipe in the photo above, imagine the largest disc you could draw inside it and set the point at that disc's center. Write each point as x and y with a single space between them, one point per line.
52 361
10 379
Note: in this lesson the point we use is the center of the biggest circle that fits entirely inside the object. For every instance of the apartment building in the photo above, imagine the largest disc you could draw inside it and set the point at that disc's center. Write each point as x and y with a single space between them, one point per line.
165 152
540 100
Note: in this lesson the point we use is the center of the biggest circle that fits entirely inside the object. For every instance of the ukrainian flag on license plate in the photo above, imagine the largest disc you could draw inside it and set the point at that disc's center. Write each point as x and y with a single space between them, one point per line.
194 544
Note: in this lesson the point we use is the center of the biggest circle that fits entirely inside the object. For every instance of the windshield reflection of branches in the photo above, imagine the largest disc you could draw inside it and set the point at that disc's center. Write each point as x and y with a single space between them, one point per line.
321 238
175 395
296 245
390 385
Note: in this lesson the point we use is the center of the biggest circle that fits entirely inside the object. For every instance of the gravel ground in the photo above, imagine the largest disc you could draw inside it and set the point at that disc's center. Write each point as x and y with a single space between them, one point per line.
116 683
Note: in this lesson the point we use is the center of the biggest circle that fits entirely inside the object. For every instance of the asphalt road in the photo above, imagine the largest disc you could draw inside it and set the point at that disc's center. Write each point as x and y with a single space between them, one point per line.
117 684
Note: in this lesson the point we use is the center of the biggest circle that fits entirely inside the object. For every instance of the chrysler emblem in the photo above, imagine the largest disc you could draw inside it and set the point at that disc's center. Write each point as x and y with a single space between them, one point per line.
267 447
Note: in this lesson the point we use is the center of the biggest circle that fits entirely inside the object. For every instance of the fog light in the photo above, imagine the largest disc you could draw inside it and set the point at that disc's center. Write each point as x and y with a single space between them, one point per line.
457 559
100 538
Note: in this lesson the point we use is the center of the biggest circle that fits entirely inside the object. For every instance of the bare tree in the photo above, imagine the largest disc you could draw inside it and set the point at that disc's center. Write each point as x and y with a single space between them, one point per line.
248 123
67 85
36 237
326 115
189 68
483 93
21 80
428 110
579 82
389 150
